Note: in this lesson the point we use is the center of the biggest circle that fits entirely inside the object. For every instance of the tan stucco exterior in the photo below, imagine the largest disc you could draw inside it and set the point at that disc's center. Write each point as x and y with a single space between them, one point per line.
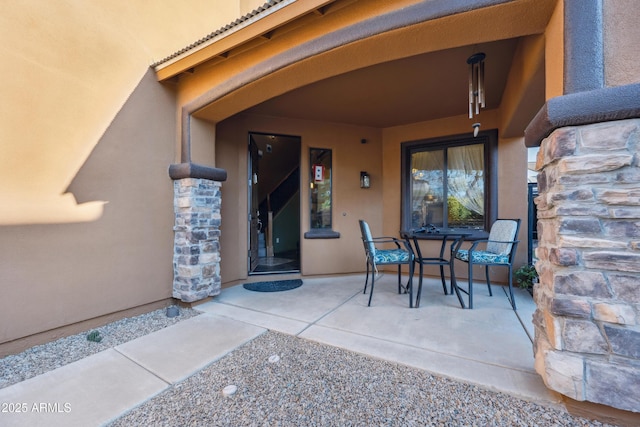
350 202
88 134
554 53
87 137
211 80
621 37
59 65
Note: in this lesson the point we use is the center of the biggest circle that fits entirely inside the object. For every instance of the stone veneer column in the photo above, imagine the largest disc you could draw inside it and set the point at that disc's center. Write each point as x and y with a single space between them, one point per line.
587 322
196 255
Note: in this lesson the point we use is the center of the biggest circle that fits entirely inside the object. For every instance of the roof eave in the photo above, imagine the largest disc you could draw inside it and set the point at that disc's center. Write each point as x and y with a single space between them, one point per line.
259 24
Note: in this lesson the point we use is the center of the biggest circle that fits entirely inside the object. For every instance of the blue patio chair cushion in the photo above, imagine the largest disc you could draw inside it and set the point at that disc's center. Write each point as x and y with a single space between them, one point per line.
482 257
391 256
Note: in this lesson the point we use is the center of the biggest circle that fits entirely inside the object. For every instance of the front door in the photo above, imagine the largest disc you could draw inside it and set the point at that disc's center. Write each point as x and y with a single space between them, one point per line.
274 203
255 223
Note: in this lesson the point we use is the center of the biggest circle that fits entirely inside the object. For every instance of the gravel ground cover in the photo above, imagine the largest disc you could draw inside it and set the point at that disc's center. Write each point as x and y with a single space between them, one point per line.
46 357
281 380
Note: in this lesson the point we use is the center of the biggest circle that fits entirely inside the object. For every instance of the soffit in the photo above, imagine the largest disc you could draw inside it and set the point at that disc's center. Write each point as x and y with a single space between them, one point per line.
423 87
406 88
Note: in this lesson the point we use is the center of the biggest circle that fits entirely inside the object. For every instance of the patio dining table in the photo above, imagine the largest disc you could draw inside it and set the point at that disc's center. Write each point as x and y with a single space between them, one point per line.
445 235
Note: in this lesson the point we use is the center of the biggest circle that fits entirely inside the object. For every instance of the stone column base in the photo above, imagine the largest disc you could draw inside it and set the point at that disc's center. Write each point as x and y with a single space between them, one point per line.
196 255
587 322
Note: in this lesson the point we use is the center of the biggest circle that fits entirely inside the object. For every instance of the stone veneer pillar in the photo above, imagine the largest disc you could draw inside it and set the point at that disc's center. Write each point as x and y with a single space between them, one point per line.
196 255
587 322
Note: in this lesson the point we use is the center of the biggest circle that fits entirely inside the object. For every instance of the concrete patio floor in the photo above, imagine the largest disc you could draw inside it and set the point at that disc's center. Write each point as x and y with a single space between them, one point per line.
488 346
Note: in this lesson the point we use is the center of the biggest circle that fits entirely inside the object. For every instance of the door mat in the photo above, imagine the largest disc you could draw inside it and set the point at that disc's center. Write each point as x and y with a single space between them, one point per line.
275 286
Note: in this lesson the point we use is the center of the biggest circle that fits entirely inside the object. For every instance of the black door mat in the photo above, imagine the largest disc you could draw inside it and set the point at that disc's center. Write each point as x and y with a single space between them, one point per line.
274 286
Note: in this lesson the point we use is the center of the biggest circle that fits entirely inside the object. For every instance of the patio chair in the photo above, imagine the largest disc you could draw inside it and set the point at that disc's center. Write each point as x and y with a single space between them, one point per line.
499 250
401 254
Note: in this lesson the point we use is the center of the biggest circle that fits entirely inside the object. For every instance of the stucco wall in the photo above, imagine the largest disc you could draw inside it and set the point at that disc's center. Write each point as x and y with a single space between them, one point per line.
86 136
380 157
68 67
554 53
53 275
621 38
350 202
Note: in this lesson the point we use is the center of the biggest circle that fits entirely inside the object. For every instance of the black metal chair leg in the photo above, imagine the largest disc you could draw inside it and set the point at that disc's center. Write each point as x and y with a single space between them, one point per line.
451 283
513 298
366 280
444 285
419 287
410 285
454 285
399 279
470 285
373 281
486 271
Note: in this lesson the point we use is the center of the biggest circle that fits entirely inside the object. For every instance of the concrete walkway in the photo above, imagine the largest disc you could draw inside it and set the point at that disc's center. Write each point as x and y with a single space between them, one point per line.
489 346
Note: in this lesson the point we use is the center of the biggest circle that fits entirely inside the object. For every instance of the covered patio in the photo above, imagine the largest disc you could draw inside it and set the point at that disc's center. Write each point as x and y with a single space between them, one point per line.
489 346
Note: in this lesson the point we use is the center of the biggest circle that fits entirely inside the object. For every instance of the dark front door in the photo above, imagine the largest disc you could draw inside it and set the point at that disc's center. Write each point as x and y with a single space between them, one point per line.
274 203
255 223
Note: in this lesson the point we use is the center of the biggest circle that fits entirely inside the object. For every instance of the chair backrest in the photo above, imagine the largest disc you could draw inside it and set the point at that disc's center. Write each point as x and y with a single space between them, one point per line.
503 230
366 238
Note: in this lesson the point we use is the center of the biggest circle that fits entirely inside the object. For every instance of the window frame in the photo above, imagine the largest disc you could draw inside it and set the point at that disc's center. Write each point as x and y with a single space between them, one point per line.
322 232
490 140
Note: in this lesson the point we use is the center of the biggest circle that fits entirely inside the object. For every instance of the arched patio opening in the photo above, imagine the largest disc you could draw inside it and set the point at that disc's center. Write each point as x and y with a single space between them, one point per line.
265 87
381 70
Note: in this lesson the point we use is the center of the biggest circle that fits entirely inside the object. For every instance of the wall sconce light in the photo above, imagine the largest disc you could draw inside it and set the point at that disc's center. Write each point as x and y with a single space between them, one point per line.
365 180
476 83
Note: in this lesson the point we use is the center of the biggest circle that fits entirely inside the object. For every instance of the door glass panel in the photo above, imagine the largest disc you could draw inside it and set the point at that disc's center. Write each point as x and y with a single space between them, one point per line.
320 188
465 186
427 189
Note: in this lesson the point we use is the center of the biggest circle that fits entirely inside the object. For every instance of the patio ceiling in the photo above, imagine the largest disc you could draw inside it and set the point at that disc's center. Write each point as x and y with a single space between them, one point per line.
419 88
407 73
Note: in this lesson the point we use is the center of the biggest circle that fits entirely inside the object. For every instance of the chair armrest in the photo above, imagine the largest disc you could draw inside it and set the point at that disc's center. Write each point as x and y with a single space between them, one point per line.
476 243
473 247
382 240
389 239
